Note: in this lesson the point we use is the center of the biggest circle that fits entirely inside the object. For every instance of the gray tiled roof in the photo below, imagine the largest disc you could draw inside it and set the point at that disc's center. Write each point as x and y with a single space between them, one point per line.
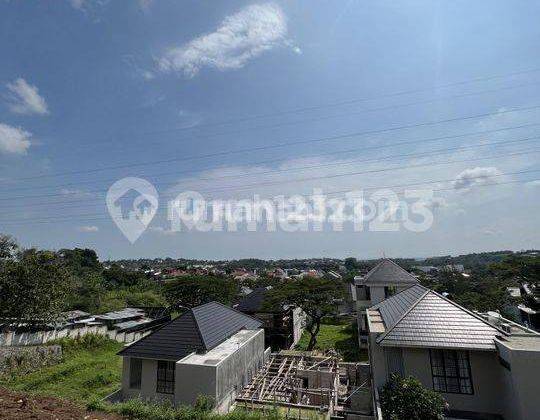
393 308
388 272
432 321
199 329
253 302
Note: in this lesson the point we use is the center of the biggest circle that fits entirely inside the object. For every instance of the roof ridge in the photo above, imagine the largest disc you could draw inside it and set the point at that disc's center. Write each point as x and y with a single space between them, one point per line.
399 293
237 311
457 305
374 269
130 345
197 328
426 292
397 265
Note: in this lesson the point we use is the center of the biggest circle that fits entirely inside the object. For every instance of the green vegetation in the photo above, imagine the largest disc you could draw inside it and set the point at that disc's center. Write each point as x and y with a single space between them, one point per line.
33 286
340 336
138 410
406 398
485 289
90 370
314 296
191 291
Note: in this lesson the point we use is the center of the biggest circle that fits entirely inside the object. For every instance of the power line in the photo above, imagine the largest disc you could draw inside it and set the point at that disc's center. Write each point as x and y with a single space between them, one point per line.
347 102
264 162
240 187
322 118
64 218
317 166
379 170
284 144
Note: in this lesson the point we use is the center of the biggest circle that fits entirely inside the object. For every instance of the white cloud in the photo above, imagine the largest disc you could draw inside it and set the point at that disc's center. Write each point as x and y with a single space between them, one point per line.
24 98
88 229
239 38
535 183
468 178
91 8
14 139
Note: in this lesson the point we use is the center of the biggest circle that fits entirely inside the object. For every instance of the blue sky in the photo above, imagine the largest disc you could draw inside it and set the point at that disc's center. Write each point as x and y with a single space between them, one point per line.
90 89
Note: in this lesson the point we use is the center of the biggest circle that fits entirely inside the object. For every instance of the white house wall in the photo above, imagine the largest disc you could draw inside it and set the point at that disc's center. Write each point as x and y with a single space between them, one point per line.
148 382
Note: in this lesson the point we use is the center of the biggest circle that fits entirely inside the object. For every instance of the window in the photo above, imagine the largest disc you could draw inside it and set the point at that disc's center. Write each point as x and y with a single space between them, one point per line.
135 370
451 371
165 377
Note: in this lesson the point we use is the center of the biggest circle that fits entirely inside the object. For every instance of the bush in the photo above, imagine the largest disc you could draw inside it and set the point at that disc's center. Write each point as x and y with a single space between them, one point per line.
140 410
406 398
85 342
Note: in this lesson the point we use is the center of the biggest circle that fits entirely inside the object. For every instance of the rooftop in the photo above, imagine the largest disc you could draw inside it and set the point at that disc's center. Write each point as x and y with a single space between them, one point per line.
387 272
420 317
253 302
521 342
219 353
200 329
123 314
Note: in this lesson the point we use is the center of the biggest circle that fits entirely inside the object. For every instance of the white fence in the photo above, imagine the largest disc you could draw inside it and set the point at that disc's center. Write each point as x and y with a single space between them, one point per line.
42 337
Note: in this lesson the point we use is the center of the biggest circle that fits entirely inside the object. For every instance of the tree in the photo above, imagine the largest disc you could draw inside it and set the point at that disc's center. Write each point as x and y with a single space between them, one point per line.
8 247
350 263
192 291
406 398
33 288
315 297
117 276
80 261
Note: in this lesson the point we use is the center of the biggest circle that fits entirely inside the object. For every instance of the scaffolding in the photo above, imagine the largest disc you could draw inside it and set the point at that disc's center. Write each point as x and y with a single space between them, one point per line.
294 380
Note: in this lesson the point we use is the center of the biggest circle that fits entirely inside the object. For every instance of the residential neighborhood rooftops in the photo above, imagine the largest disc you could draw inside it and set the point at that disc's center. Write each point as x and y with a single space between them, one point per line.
253 302
198 330
419 317
386 272
119 315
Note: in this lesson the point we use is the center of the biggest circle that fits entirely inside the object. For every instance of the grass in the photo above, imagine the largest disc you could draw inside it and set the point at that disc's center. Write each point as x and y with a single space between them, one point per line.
139 410
90 370
340 335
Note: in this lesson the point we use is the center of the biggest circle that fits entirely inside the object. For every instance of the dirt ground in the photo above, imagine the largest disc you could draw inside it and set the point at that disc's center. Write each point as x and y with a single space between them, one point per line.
15 405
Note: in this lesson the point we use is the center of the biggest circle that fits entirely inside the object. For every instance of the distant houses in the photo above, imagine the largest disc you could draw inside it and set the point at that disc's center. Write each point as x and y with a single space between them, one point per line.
125 326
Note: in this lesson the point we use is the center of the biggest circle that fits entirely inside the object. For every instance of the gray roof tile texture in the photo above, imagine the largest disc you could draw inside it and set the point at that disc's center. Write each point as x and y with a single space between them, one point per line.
199 329
393 308
388 272
419 317
254 301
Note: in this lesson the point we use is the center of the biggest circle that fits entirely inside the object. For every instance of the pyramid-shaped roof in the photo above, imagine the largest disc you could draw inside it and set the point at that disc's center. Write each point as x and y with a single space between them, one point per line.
387 272
420 317
198 330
